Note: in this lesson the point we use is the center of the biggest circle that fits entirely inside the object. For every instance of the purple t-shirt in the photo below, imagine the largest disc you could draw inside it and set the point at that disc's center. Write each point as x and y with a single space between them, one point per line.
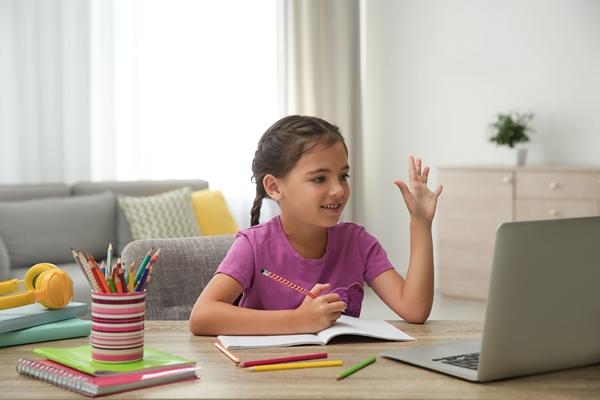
352 257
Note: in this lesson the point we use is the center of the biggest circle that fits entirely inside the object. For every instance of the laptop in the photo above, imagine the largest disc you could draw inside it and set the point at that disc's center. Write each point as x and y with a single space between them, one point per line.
543 307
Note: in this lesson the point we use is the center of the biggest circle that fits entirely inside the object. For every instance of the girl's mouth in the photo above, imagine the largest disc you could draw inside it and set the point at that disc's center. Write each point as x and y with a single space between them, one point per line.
332 207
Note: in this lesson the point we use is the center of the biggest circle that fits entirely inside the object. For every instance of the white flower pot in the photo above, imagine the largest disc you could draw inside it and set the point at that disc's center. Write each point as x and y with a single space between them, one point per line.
515 156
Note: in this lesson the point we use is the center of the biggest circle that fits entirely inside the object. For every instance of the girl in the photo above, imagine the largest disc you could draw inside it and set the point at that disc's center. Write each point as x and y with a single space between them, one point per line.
302 163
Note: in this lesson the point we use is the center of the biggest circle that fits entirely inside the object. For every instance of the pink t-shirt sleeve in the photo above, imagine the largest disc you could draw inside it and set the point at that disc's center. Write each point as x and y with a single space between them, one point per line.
375 257
239 262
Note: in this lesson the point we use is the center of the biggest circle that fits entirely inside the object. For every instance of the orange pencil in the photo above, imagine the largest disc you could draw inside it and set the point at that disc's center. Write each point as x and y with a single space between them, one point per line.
229 354
117 280
102 280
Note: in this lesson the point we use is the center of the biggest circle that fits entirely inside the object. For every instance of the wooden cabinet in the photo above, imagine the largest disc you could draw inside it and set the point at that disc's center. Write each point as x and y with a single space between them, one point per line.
477 199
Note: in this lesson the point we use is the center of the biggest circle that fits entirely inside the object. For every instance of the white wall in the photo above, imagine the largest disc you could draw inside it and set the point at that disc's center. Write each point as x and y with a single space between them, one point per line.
436 72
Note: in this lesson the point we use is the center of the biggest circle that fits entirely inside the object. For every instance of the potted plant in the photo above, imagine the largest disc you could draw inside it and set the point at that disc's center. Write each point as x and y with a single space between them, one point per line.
510 129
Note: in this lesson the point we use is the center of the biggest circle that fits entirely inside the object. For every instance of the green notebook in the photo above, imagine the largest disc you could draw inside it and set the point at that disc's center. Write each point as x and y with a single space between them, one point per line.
80 358
69 328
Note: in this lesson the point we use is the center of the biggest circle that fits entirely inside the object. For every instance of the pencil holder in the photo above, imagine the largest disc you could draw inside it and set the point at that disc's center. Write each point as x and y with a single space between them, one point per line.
118 326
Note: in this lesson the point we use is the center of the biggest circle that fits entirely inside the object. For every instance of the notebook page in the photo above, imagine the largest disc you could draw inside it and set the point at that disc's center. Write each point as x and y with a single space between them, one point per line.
376 328
254 342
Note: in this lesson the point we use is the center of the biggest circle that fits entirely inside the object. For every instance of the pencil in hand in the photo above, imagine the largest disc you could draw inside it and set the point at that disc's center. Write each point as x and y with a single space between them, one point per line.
288 283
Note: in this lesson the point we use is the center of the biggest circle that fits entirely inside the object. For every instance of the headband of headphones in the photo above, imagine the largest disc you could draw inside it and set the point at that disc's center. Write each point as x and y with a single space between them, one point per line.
44 282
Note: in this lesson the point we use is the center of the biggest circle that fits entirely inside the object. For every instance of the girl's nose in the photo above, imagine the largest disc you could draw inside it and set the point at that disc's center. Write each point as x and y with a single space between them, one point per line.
336 190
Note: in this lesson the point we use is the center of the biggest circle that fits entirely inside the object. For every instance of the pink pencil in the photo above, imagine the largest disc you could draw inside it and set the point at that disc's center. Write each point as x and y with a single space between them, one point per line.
288 283
282 360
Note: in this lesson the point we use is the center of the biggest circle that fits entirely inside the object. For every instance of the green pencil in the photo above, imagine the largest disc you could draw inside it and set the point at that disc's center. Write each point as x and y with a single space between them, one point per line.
356 368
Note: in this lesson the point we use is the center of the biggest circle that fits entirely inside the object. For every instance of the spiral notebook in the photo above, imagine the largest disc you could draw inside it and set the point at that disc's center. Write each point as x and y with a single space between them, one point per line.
92 386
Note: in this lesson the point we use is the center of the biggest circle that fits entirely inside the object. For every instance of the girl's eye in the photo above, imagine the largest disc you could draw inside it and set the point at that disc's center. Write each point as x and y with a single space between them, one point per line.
345 177
319 179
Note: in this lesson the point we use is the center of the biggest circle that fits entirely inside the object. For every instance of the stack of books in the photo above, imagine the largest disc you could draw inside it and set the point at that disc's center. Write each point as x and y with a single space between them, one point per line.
73 369
35 323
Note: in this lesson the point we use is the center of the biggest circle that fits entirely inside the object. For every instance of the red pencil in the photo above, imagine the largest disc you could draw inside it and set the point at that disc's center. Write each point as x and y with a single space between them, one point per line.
282 360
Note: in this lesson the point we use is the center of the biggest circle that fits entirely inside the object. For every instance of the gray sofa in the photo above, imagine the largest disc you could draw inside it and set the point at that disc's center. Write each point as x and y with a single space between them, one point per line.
42 222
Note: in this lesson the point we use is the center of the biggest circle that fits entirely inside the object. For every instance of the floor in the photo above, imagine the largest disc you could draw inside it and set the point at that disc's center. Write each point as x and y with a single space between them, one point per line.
443 308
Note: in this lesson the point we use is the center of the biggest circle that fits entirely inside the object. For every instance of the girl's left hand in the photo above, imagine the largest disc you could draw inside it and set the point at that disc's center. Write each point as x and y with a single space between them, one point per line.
420 201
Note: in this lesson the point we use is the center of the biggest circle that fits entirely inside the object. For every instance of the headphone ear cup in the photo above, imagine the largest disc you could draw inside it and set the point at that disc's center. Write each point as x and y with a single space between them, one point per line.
58 288
33 274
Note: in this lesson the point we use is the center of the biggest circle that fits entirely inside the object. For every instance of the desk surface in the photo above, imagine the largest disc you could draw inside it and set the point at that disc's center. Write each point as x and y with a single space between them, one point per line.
385 379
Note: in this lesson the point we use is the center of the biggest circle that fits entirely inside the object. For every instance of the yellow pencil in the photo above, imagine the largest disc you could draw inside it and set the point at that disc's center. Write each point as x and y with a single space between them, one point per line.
312 364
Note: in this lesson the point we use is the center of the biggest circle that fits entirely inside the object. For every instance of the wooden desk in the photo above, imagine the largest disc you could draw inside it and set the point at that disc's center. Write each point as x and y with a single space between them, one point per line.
385 379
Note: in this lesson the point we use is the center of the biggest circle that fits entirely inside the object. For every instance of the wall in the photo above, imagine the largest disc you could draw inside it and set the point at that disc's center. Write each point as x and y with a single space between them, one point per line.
436 72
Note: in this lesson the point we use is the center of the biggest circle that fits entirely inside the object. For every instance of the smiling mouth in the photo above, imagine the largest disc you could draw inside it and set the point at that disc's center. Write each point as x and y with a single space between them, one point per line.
332 207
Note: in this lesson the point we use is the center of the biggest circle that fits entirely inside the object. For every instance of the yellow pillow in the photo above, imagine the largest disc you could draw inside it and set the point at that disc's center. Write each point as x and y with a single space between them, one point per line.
212 213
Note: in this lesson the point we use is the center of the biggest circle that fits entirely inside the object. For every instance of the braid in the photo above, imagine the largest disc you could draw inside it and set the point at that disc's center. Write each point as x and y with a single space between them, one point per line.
255 212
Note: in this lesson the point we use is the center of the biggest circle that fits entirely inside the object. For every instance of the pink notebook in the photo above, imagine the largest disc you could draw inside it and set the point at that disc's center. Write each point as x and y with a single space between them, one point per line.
72 379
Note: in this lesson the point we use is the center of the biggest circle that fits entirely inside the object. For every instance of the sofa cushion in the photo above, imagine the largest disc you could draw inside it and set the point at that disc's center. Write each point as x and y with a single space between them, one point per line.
212 213
45 230
165 215
133 188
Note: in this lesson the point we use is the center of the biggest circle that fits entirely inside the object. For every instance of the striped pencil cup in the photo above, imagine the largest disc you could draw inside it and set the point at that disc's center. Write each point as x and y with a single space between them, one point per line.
118 326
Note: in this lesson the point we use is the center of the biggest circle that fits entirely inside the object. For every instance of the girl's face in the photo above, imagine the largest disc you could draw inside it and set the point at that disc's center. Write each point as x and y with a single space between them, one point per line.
316 190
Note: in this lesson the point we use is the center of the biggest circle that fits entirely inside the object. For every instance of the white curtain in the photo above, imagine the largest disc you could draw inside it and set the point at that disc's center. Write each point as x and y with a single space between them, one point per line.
322 72
44 91
137 89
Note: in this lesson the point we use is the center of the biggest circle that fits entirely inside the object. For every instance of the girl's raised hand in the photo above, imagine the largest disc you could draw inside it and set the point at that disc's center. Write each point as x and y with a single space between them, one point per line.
420 200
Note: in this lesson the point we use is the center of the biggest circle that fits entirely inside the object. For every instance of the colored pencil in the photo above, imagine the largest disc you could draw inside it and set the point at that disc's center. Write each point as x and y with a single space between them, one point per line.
109 254
288 283
90 258
140 271
155 257
352 370
312 364
229 354
97 277
131 278
140 282
80 264
147 280
282 360
129 271
102 280
87 268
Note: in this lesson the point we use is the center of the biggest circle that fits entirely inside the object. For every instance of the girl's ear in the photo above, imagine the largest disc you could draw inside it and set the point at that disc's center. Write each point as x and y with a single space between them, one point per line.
271 185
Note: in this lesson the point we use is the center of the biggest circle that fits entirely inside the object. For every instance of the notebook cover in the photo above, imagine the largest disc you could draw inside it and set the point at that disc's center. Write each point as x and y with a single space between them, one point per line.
36 314
80 358
69 378
69 328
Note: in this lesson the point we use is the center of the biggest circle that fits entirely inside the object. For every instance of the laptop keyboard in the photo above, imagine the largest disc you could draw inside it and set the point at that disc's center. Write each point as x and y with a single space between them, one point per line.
470 360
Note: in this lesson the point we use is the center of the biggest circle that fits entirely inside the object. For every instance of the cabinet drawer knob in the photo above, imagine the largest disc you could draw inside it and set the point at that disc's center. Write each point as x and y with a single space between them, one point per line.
506 179
552 185
553 212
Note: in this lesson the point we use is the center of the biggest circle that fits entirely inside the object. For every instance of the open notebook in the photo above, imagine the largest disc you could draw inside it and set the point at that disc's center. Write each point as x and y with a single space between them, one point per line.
374 328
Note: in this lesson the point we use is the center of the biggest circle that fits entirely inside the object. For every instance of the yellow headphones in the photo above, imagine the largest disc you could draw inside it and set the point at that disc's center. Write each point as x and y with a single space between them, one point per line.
44 282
